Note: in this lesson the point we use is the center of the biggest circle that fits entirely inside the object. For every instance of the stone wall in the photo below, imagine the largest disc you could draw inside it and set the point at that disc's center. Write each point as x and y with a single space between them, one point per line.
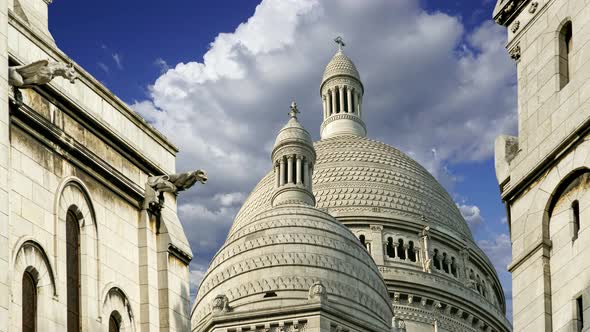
77 148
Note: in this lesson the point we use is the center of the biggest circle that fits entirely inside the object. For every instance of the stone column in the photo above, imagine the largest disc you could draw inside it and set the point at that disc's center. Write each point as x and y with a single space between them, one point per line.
377 239
4 168
299 169
333 111
360 103
342 110
349 97
277 175
325 105
306 178
290 169
282 171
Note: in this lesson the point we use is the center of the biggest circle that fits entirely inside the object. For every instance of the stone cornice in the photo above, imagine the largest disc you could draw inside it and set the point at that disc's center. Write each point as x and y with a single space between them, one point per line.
428 285
507 10
512 189
78 154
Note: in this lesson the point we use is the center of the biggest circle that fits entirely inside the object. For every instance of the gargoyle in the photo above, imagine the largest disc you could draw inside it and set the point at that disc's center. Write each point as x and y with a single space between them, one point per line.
172 183
39 73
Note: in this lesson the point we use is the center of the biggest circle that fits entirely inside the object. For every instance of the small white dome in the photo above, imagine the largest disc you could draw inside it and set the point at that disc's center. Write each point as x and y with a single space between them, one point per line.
274 260
340 65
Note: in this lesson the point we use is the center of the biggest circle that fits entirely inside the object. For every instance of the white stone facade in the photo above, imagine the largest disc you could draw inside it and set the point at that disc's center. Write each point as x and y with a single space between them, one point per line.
543 173
75 148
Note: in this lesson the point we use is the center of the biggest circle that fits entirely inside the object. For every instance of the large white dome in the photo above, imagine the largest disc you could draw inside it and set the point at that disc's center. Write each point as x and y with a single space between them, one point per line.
357 176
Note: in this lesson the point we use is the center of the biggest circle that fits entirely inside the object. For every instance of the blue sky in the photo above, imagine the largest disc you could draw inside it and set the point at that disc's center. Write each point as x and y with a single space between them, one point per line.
217 77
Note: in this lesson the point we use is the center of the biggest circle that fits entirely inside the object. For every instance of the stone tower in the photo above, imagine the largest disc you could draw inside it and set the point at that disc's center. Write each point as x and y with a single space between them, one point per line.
543 173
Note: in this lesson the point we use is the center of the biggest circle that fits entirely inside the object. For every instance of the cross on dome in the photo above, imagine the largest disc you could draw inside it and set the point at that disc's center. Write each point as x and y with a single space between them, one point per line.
340 42
294 111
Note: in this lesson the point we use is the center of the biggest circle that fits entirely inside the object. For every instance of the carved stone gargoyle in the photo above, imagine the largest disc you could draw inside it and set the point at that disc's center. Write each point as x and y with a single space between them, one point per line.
39 73
173 183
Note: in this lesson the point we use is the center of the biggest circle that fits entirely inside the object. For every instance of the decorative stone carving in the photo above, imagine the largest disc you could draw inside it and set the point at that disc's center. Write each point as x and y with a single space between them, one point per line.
39 73
376 228
156 185
317 292
398 324
426 260
515 53
533 7
515 26
220 304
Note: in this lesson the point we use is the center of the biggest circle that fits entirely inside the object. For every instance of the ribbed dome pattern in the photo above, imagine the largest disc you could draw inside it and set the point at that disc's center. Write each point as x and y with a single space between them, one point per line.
286 250
357 176
340 65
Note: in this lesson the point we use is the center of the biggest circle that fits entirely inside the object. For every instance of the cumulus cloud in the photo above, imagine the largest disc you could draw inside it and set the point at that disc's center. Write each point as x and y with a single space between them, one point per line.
472 215
429 86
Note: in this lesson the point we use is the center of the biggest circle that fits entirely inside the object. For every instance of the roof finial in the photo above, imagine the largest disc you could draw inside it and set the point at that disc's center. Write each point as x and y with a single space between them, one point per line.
340 43
294 111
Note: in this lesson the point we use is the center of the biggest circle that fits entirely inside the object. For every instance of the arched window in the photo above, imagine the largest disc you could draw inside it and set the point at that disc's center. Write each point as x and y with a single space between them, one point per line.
29 318
436 259
411 252
401 251
115 322
565 54
390 248
576 217
73 271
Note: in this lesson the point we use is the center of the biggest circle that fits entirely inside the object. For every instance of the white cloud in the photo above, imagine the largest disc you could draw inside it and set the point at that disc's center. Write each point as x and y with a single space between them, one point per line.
118 60
472 215
104 67
162 64
432 89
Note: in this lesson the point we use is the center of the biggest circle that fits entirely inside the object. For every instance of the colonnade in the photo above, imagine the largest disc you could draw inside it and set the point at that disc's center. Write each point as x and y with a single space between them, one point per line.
293 169
342 99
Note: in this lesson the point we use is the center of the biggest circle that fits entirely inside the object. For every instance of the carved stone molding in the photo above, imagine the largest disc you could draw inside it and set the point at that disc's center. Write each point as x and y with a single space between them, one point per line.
533 7
515 26
515 52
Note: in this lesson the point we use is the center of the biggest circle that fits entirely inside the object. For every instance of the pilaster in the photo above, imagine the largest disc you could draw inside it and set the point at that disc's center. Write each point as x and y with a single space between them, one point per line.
148 274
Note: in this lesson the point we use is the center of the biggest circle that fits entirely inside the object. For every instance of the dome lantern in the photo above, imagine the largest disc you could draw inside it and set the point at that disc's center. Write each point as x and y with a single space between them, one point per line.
342 94
293 158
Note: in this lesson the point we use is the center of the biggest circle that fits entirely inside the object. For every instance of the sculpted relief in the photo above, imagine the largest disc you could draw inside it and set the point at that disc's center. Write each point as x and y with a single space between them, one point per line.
39 73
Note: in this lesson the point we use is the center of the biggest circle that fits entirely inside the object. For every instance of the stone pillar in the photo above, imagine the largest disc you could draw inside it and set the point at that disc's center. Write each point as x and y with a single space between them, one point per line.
299 170
290 169
277 175
349 97
342 110
377 239
333 111
148 274
306 178
4 167
282 171
360 103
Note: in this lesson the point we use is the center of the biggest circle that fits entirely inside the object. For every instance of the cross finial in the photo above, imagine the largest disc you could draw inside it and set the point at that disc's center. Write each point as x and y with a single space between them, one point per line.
340 43
294 111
